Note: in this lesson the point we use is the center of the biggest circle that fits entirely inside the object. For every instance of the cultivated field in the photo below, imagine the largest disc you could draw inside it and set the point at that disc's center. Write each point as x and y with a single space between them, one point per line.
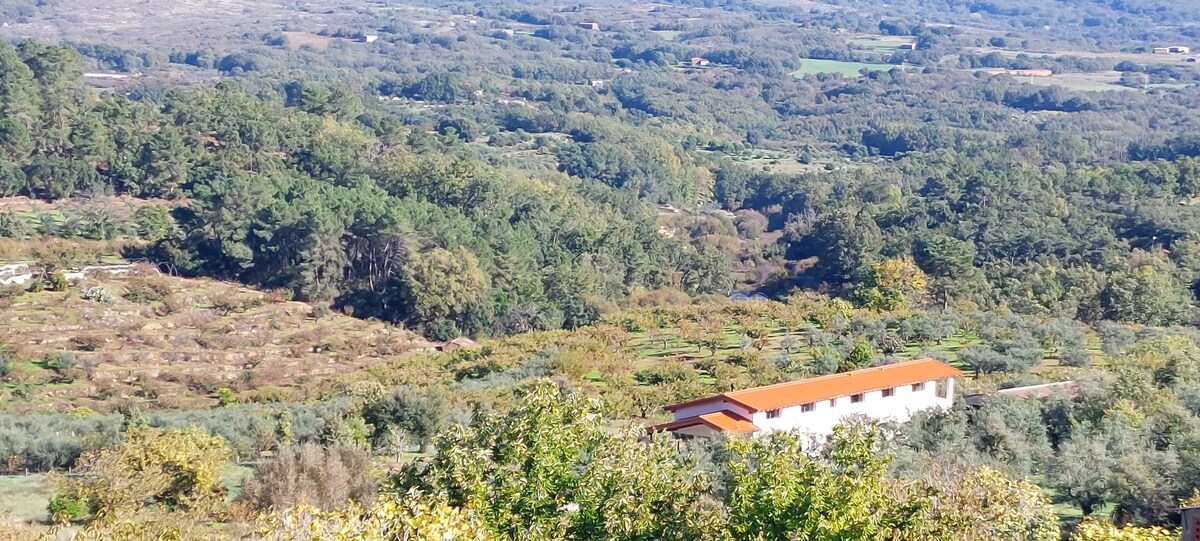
813 66
170 342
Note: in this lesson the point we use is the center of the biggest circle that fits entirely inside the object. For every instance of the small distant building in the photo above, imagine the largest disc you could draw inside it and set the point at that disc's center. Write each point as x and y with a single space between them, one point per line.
1173 49
596 83
368 38
908 47
1067 388
457 344
590 26
1192 59
699 61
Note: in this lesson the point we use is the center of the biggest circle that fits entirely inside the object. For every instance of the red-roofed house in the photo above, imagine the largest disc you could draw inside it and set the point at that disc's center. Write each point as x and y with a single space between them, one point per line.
816 405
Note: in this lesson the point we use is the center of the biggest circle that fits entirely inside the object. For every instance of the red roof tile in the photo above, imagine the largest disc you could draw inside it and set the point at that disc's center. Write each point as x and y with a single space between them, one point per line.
718 420
825 387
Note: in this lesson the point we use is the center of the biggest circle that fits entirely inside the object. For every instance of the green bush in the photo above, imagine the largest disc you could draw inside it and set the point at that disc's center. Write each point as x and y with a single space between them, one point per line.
65 509
58 282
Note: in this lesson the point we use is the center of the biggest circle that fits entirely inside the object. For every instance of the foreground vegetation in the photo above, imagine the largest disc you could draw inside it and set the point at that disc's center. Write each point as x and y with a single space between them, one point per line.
551 469
604 196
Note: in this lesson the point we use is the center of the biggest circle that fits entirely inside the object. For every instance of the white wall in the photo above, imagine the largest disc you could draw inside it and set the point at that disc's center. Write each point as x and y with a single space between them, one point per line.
709 407
824 417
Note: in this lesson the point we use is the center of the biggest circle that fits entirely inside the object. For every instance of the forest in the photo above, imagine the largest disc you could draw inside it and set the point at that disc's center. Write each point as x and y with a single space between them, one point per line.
424 269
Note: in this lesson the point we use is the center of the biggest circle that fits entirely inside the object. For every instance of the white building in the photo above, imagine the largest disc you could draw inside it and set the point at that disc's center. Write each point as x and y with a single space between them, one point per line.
816 405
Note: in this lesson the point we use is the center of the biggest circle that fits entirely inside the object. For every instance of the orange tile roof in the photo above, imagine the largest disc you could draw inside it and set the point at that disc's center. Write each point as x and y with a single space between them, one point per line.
825 387
718 420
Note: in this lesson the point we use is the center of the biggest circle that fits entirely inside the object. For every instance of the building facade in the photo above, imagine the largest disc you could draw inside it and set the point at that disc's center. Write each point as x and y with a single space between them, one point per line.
816 405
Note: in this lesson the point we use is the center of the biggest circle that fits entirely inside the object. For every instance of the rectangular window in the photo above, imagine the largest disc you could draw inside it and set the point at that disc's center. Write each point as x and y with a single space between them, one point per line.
918 387
856 398
833 402
943 388
807 407
889 392
773 414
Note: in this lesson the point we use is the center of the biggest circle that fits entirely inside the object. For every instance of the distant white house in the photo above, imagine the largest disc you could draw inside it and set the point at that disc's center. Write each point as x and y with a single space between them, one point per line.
815 406
368 38
1173 49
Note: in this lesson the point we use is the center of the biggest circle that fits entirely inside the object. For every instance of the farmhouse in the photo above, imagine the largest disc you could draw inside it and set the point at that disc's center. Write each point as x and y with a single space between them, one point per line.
1173 49
698 61
816 405
590 26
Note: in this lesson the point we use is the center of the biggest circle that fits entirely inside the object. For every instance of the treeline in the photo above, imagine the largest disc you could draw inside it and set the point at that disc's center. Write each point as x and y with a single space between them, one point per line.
1080 242
307 192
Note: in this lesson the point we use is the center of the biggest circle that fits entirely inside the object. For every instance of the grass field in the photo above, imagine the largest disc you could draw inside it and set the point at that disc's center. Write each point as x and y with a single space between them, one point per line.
813 66
296 40
1083 82
668 35
23 499
880 43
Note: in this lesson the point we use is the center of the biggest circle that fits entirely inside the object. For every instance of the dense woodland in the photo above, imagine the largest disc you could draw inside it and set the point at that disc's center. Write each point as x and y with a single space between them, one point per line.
596 205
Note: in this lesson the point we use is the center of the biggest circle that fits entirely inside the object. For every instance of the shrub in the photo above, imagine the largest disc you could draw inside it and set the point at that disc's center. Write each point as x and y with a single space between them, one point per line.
228 303
65 509
985 360
225 397
99 294
825 361
179 469
1077 357
62 361
1115 338
1101 530
324 477
146 290
416 414
58 282
87 343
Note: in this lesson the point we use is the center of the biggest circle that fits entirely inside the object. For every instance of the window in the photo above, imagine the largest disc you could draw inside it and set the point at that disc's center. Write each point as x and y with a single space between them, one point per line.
889 392
807 407
833 402
773 414
918 387
856 398
943 388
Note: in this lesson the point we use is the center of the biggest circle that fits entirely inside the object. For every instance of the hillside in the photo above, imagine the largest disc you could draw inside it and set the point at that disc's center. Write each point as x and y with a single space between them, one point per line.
169 342
371 270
